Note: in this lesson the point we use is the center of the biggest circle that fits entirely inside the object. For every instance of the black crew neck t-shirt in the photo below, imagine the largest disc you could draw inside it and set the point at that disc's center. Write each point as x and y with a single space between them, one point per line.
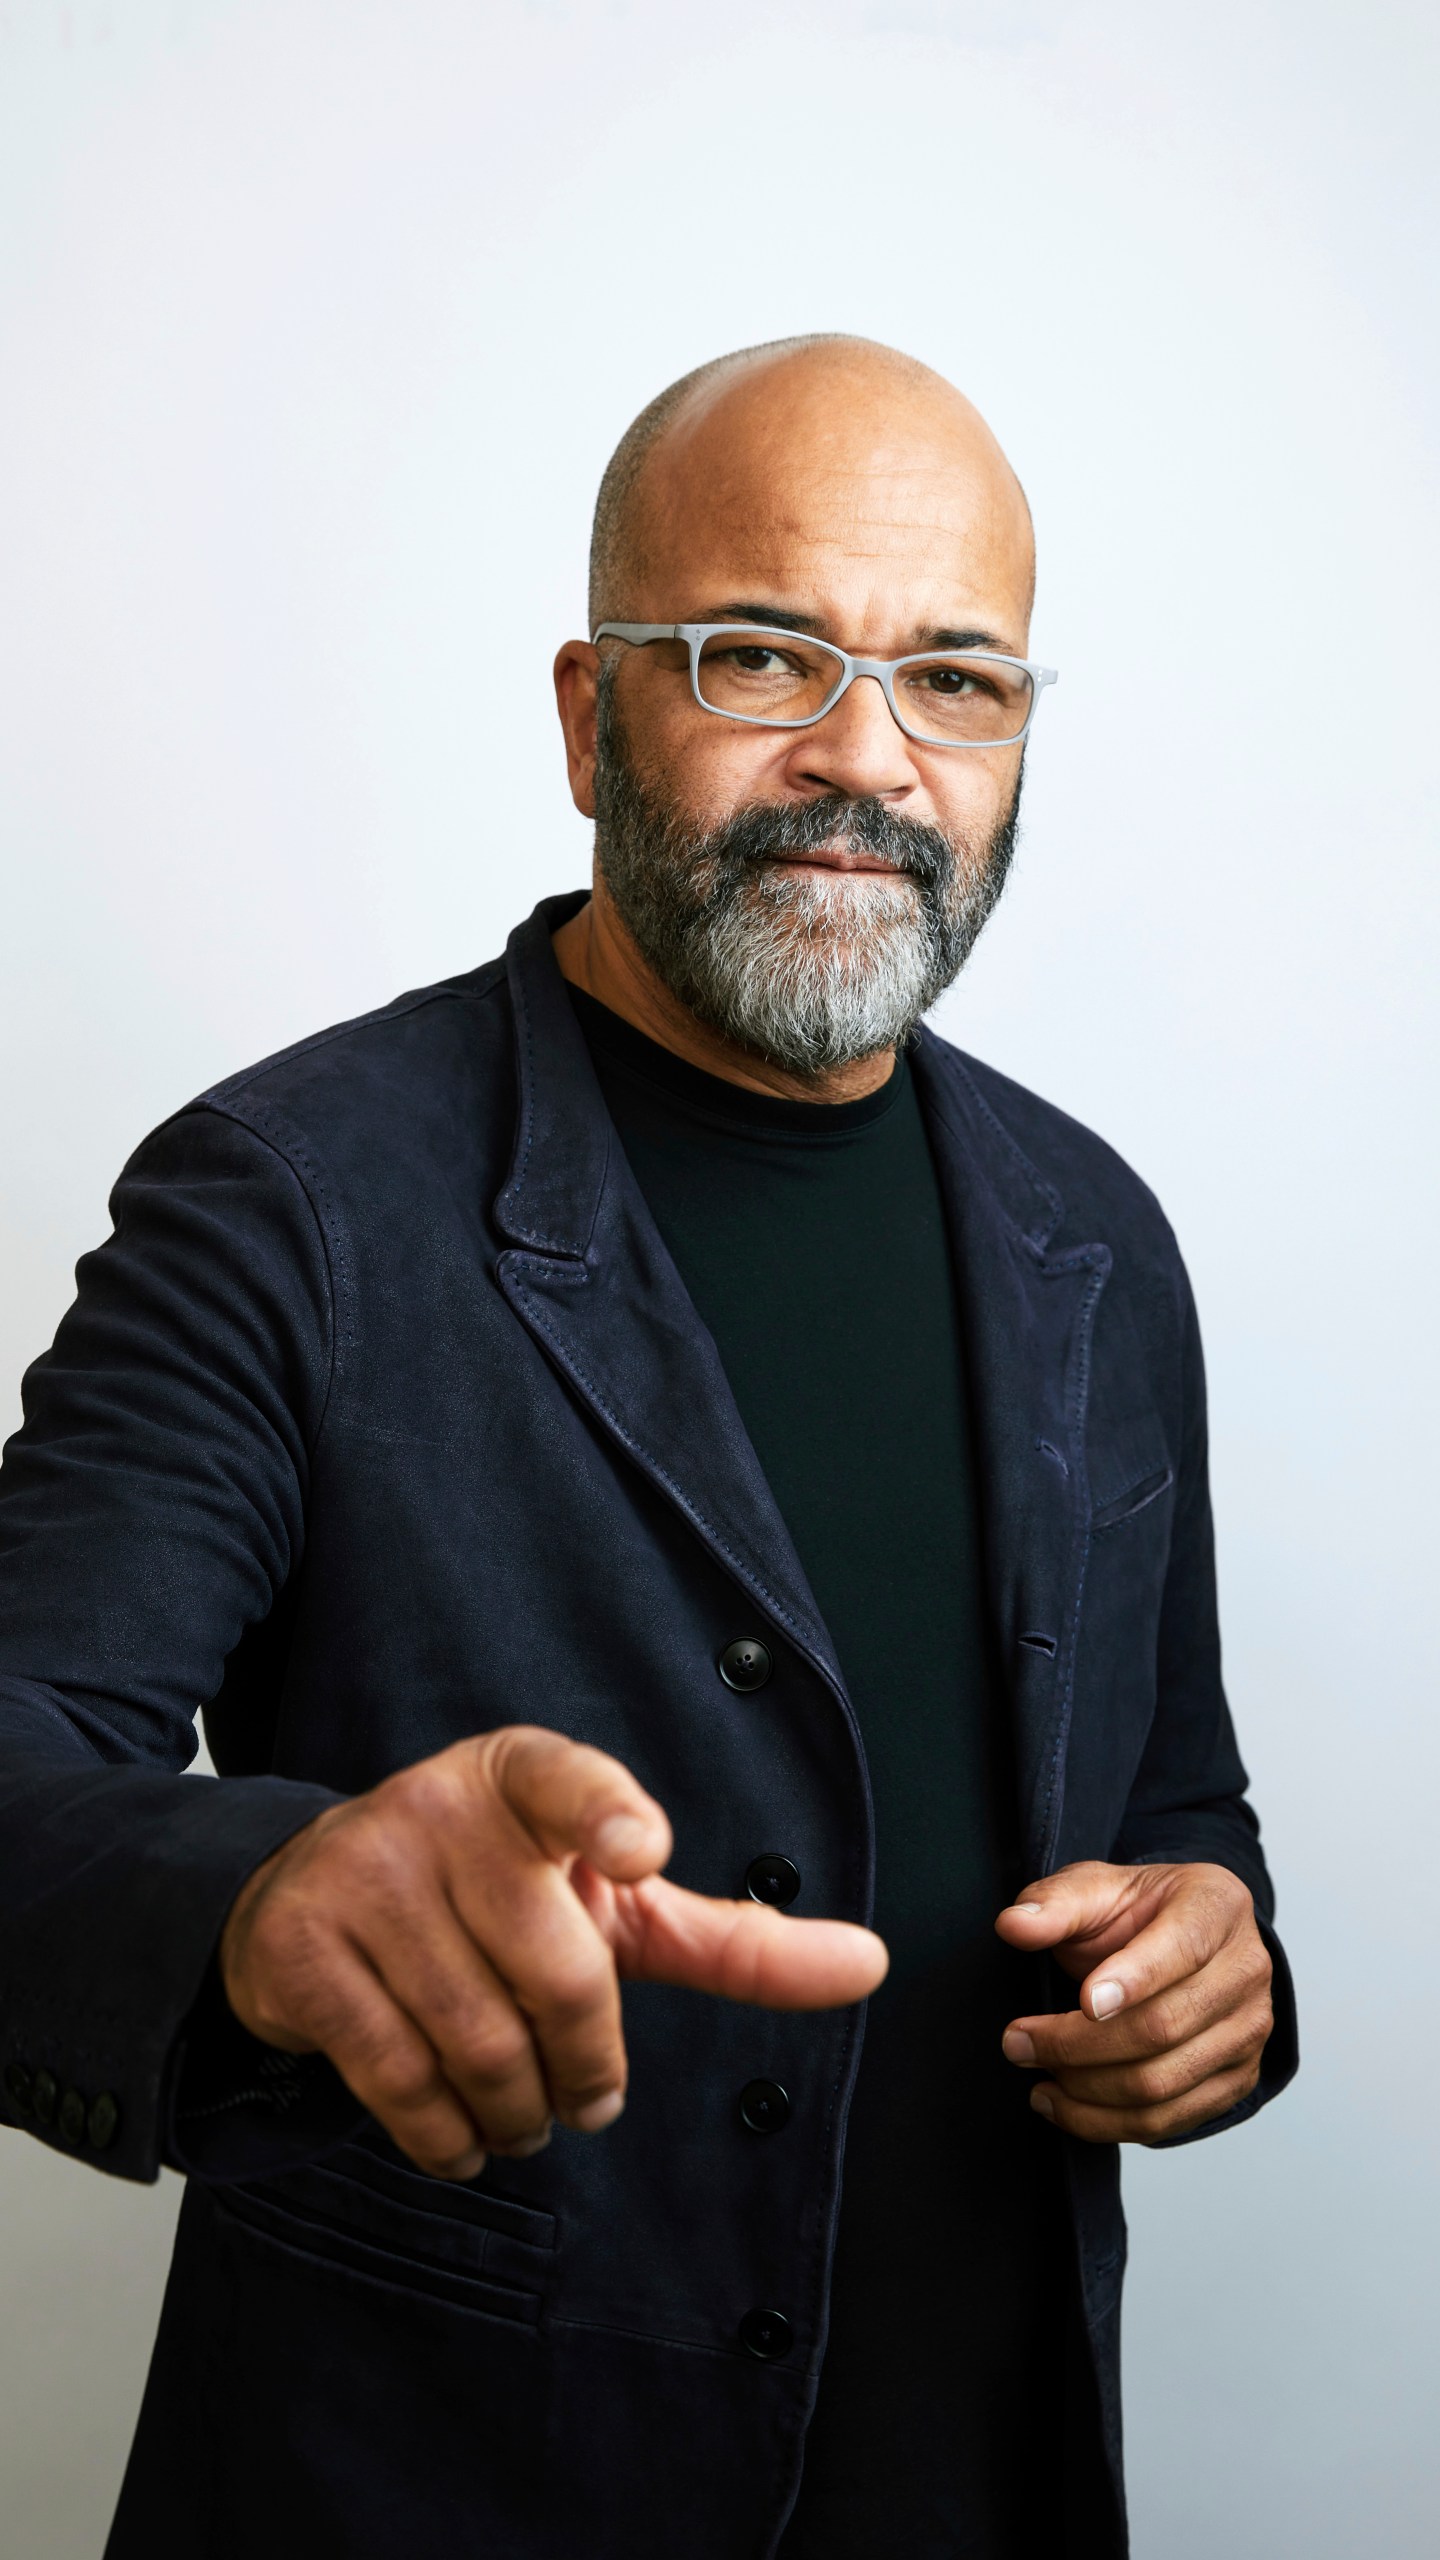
811 1238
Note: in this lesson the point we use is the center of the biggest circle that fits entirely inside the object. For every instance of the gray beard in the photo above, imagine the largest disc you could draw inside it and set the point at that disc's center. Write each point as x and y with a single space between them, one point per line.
807 973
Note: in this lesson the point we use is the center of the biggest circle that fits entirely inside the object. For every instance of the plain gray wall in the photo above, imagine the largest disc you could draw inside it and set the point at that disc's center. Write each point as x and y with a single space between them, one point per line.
319 319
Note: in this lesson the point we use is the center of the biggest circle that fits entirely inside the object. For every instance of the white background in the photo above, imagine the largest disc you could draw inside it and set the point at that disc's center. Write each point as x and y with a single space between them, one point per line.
319 319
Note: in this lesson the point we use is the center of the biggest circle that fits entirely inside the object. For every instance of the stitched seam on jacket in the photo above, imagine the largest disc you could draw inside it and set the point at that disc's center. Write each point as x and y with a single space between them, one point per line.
645 2337
1013 1148
1054 1786
218 1095
290 1148
516 1183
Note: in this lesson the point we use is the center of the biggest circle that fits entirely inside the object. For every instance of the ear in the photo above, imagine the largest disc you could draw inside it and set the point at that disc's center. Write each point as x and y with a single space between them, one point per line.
577 674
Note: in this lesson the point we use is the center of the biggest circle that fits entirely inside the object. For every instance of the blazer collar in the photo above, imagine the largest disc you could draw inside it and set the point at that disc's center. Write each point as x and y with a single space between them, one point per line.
562 1134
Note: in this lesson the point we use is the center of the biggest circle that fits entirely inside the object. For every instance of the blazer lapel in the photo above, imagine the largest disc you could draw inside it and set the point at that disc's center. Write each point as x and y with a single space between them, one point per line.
1028 1312
589 1276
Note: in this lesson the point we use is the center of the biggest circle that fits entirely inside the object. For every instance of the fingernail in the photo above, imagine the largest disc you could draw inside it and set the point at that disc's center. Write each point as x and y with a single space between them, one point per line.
600 2112
1106 1998
1032 1910
1043 2104
1018 2047
619 1836
525 2150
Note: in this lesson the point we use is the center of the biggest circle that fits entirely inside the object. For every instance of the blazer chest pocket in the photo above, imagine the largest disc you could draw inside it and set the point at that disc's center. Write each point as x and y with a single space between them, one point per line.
367 2214
1137 1496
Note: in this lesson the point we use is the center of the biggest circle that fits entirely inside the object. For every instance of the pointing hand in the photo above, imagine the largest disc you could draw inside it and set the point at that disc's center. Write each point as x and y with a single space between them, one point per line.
455 1941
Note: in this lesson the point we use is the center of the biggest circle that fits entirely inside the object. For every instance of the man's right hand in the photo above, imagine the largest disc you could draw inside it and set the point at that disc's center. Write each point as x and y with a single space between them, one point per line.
455 1941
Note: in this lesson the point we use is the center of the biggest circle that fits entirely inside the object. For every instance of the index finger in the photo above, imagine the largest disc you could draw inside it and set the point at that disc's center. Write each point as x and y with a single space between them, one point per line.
661 1932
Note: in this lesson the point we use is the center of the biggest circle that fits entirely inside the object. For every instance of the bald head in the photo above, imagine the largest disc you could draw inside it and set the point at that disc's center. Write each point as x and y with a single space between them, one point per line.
824 440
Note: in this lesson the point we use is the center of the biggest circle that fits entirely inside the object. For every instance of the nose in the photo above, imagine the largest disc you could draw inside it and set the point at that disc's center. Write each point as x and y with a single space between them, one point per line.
858 748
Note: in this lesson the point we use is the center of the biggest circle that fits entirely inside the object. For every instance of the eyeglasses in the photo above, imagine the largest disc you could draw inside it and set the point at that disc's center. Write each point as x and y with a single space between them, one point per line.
786 680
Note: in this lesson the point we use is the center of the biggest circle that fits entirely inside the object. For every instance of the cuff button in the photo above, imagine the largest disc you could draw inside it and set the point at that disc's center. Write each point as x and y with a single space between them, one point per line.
19 2088
70 2117
46 2089
104 2121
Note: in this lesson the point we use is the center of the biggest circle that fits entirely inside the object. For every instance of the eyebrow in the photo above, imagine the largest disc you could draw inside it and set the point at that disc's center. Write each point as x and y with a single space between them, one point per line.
780 618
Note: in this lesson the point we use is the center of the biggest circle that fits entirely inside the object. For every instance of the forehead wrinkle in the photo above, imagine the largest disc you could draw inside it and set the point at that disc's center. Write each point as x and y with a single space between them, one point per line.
946 492
857 532
848 515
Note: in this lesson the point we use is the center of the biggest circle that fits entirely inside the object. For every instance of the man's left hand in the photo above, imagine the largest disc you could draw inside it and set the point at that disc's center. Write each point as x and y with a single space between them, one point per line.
1174 2006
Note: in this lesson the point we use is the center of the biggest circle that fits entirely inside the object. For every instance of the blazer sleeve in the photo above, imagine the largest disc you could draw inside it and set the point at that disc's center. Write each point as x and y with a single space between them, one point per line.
1188 1802
152 1509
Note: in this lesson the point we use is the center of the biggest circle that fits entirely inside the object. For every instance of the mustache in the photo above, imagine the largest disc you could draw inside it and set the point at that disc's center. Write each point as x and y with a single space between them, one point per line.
771 831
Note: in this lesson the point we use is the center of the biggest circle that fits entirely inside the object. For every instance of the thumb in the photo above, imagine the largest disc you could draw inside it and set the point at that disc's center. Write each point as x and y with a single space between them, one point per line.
575 1801
1083 1912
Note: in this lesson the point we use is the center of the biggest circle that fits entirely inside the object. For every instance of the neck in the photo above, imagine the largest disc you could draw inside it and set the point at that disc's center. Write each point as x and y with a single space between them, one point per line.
597 954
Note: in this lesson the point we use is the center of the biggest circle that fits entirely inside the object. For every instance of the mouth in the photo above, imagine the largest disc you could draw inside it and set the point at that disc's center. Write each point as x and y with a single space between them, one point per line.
835 858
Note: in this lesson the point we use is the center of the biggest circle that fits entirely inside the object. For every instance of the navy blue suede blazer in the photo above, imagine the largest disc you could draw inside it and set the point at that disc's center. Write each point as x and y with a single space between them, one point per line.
381 1419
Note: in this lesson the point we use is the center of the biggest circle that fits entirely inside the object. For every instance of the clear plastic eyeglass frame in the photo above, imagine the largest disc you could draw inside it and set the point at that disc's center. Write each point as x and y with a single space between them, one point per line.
884 671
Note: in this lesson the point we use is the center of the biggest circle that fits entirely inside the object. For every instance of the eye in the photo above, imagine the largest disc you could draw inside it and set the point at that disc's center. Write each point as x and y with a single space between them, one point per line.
754 659
954 681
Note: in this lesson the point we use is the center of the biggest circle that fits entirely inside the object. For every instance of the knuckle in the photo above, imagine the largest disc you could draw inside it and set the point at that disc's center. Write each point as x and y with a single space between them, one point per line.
1223 1887
1261 1970
385 1862
1154 2081
581 2082
1199 1935
578 2075
288 1973
425 1792
287 1925
442 2158
1251 2032
1157 2122
401 2078
1165 2022
492 2050
529 1752
578 1989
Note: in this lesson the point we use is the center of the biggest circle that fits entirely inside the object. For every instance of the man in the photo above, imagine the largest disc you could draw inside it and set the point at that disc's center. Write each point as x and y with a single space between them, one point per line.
648 1406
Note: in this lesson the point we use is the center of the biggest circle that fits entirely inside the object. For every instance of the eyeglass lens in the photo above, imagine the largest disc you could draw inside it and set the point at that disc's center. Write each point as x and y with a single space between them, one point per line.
956 701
